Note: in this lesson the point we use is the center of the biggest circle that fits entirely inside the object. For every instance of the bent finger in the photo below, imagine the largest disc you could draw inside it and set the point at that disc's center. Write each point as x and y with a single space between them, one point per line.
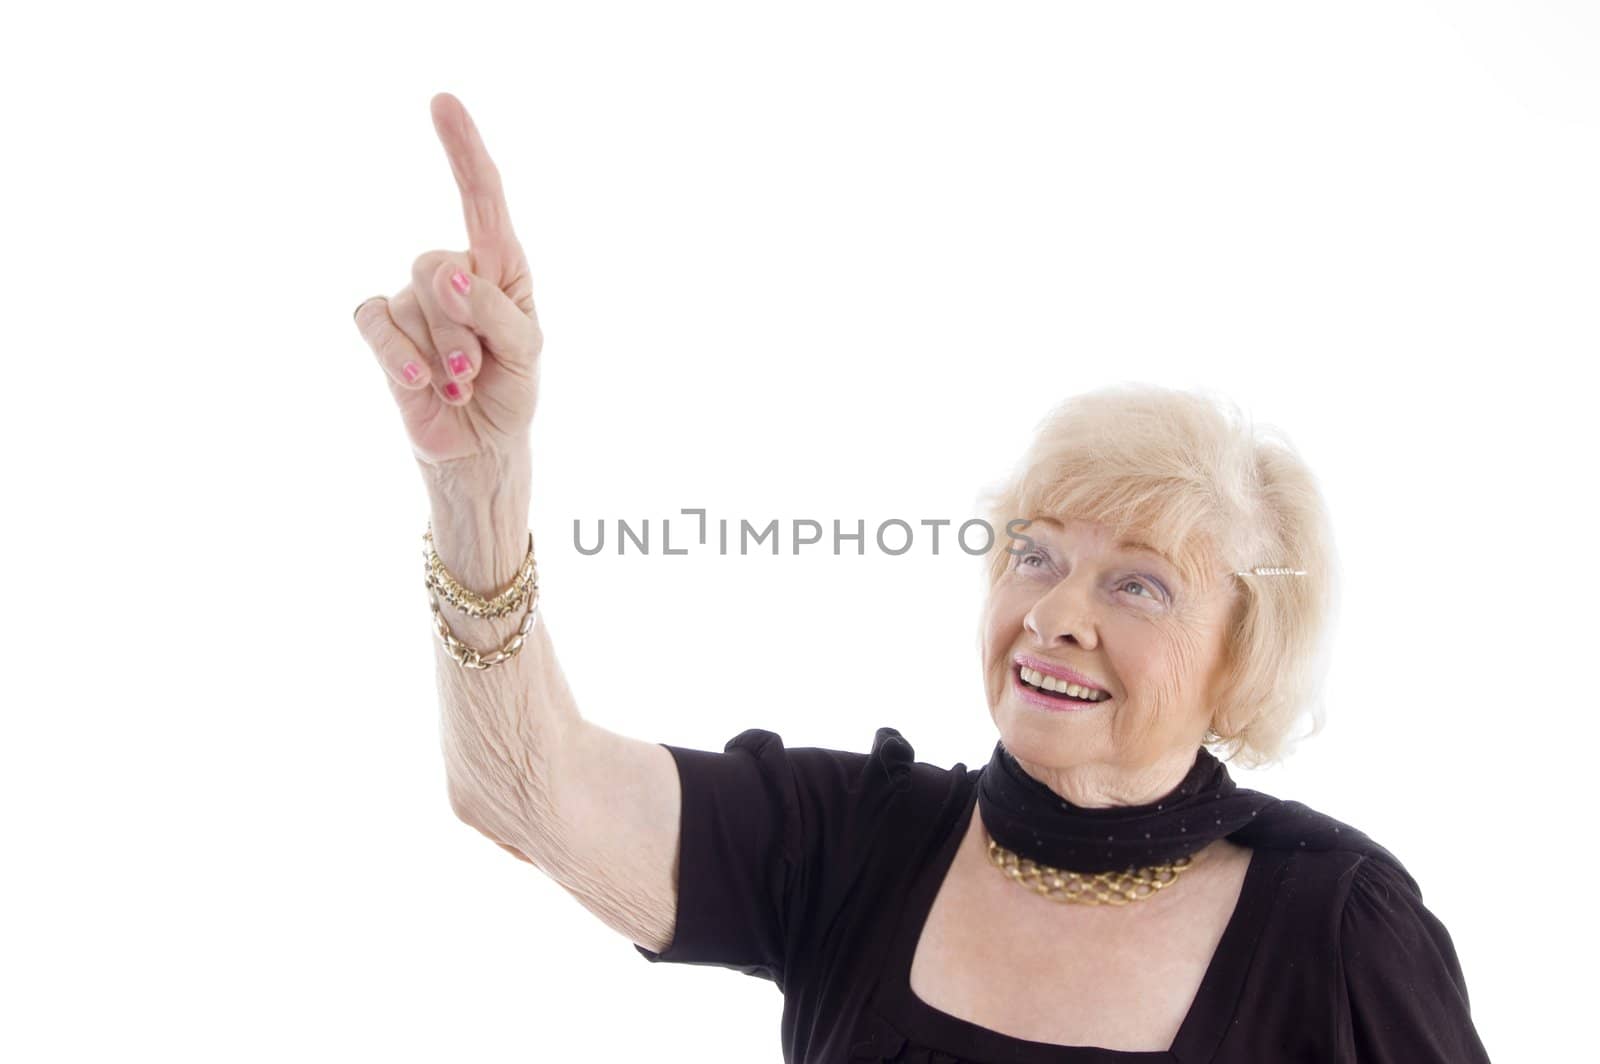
396 354
509 335
460 353
405 366
406 310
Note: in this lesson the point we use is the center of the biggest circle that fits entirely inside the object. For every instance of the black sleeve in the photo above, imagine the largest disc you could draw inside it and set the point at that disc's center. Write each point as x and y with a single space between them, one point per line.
1405 995
761 825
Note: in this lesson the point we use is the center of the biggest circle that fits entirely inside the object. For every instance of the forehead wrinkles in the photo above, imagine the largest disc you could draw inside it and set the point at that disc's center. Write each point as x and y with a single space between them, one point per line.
1117 538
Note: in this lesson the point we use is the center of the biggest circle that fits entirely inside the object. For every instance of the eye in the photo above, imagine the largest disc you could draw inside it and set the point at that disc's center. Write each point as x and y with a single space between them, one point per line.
1032 555
1131 582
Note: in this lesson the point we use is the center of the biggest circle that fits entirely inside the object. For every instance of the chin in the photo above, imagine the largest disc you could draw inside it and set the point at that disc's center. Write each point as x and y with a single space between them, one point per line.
1045 739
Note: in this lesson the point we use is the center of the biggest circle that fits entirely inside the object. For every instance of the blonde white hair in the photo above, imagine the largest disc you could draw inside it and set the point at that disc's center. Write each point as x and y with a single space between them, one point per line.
1191 475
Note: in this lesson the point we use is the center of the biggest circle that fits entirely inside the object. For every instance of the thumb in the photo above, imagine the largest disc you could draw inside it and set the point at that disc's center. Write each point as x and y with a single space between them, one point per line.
505 331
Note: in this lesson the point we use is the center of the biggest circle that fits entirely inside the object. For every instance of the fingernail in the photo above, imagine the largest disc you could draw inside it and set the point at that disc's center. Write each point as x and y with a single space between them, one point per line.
453 390
460 282
411 371
458 363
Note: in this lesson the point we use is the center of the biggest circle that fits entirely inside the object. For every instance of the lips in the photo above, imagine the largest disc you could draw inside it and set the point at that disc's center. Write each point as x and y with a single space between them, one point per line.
1050 701
1059 671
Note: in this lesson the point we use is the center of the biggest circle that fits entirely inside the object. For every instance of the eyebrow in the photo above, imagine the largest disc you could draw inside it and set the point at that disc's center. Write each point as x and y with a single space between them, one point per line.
1147 549
1137 545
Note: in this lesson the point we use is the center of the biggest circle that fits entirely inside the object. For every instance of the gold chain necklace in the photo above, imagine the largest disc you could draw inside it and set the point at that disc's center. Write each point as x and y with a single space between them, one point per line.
1081 888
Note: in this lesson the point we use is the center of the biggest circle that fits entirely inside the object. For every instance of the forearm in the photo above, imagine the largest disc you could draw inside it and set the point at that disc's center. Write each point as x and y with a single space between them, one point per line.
501 727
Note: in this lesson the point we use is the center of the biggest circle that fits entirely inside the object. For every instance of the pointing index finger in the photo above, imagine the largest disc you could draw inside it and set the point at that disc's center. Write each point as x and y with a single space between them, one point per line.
495 250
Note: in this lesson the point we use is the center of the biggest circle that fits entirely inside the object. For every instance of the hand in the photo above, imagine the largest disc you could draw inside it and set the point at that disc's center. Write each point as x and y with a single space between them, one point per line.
480 402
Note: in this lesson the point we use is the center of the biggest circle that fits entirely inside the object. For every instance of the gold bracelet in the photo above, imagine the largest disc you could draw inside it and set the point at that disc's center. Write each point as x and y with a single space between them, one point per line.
438 579
523 589
472 658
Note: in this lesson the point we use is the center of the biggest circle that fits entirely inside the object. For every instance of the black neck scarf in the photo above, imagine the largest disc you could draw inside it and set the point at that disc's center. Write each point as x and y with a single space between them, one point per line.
1030 819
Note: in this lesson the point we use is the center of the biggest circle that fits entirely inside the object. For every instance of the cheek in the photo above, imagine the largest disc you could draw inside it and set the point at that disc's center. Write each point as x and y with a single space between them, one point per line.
1002 622
1150 658
1171 668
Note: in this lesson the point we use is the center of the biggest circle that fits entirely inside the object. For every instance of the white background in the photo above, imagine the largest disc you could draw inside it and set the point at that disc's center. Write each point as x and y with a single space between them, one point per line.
802 261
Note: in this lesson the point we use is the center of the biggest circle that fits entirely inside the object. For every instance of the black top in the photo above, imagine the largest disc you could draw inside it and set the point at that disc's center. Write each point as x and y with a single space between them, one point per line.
817 869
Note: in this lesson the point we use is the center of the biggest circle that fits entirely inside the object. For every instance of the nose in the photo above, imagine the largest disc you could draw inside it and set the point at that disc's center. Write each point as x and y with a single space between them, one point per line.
1062 615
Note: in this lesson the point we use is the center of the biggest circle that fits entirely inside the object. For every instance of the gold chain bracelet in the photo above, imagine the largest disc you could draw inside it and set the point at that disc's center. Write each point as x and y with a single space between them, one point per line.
1082 888
472 658
464 598
524 588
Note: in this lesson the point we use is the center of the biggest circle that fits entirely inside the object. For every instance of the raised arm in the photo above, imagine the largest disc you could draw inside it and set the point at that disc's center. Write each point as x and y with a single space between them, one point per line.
596 811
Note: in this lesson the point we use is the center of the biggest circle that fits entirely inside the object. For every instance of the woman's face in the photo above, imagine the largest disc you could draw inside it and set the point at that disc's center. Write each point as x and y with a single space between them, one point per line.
1123 618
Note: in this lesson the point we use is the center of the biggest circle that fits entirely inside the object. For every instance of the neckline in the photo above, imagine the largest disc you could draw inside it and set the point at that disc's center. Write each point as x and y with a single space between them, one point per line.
1203 1025
1022 814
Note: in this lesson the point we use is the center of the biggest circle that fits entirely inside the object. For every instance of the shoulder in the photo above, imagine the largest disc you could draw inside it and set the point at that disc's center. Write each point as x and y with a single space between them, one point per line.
890 765
1403 993
1327 876
1399 993
1316 845
1369 902
1382 917
846 788
852 818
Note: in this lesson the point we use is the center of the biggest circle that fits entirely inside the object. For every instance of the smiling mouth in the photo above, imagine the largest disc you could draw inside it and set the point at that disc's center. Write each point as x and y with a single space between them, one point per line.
1049 687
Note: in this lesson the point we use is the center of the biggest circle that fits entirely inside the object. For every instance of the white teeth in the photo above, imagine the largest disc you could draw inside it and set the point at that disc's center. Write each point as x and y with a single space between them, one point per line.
1034 678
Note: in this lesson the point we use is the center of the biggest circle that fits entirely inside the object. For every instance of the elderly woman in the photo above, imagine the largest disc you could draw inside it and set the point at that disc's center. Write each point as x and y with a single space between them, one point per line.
1099 890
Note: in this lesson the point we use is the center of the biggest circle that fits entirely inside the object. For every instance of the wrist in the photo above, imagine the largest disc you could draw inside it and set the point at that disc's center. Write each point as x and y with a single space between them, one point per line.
480 472
479 515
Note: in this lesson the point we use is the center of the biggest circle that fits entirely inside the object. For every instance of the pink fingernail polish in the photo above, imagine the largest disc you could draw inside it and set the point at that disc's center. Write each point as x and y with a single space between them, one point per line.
411 371
459 280
453 390
458 363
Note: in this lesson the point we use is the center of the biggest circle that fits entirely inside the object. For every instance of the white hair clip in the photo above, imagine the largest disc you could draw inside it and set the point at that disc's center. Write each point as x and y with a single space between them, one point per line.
1268 570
